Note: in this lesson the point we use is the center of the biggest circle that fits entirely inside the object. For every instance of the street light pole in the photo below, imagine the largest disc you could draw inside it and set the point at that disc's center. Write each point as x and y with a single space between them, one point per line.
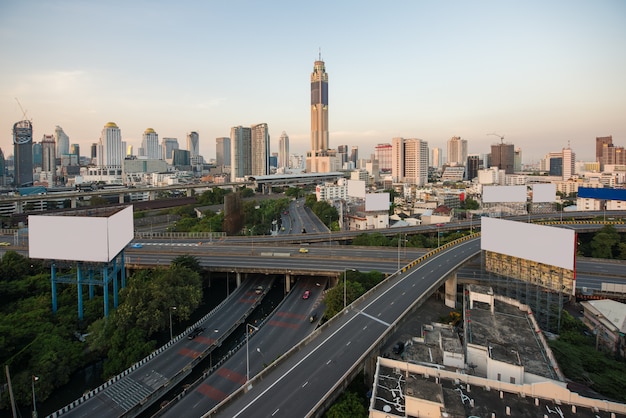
248 352
344 287
172 308
33 380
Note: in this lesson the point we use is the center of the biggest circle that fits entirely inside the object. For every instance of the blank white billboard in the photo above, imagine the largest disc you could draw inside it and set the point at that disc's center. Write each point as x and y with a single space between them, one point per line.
80 238
544 192
502 194
356 188
542 244
377 201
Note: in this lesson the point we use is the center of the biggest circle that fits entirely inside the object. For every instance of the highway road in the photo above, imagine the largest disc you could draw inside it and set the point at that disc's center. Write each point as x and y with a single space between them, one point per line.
293 387
286 327
175 361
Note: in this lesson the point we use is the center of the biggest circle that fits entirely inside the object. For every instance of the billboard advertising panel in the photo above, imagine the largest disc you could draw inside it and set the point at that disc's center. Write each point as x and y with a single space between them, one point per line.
376 201
544 192
121 231
356 188
504 194
542 244
80 238
68 238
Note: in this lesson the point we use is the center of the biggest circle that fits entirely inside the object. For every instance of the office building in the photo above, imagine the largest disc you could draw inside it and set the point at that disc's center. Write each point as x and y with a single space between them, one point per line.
222 151
110 149
342 154
517 163
3 169
354 155
382 153
260 149
569 163
169 145
23 153
409 161
283 150
436 158
317 158
75 150
473 165
457 151
193 144
601 142
240 153
503 157
62 141
150 145
48 158
37 155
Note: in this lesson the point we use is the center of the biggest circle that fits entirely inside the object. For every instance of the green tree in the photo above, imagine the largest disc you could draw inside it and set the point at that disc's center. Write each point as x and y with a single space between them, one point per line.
349 405
605 242
187 261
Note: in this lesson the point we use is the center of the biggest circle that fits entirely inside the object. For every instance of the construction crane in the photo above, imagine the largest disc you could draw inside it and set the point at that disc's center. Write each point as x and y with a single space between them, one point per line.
23 111
499 136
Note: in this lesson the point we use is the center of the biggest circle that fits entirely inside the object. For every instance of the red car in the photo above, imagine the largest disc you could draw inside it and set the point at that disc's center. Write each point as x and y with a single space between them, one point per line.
306 294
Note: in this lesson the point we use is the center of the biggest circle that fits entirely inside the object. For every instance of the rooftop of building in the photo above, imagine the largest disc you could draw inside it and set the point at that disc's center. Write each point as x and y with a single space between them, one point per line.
510 334
397 381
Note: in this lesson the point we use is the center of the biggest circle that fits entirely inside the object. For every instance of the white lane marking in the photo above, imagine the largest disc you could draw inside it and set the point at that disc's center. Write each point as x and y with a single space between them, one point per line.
375 319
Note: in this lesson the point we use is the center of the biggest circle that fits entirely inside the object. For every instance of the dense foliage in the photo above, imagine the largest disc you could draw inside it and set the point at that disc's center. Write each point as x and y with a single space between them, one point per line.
605 243
323 210
357 284
575 352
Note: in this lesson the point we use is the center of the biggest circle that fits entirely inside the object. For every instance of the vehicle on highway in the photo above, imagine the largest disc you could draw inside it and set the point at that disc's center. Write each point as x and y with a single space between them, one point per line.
303 250
306 294
196 331
136 245
258 290
313 317
4 244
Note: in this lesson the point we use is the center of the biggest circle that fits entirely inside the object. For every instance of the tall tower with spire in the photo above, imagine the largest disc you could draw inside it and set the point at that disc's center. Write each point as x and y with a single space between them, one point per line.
319 119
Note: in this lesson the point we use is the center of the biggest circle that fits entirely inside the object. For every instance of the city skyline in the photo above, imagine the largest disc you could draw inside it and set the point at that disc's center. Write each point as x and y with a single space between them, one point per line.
541 75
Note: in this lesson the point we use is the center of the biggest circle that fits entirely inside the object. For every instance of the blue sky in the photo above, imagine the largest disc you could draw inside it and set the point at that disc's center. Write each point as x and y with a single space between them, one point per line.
541 73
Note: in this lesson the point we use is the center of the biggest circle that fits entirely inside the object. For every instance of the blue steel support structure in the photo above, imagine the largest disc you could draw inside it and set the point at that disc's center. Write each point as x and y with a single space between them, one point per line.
97 275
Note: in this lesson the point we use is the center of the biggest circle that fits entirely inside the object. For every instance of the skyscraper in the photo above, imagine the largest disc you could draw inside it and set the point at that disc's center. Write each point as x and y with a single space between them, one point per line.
569 163
222 151
382 153
169 145
503 157
319 119
48 160
110 148
601 142
260 149
283 150
240 152
193 146
435 159
409 161
354 154
150 144
62 141
23 153
457 151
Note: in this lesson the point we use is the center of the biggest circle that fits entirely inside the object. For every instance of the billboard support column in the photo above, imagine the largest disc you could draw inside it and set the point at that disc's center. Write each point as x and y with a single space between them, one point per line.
123 269
79 288
105 286
53 277
90 283
114 279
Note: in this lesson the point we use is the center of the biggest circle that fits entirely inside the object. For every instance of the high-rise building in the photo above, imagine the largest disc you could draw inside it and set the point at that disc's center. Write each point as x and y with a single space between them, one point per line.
517 164
319 120
260 149
569 163
342 153
240 152
169 145
457 151
193 144
222 151
283 150
354 154
3 169
75 150
37 155
436 157
503 157
472 167
110 148
382 153
23 153
601 142
62 141
409 161
48 157
150 144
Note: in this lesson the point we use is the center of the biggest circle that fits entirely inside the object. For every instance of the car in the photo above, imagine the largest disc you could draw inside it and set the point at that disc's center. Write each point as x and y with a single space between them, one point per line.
258 290
196 331
303 250
136 245
306 294
4 244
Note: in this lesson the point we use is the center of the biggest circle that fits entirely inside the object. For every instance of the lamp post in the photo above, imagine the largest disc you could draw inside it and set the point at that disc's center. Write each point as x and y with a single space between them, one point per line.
344 287
248 352
400 241
172 308
330 235
33 380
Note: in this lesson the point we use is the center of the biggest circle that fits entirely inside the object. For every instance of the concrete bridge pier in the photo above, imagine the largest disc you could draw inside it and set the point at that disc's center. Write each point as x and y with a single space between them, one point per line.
238 278
287 282
450 291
